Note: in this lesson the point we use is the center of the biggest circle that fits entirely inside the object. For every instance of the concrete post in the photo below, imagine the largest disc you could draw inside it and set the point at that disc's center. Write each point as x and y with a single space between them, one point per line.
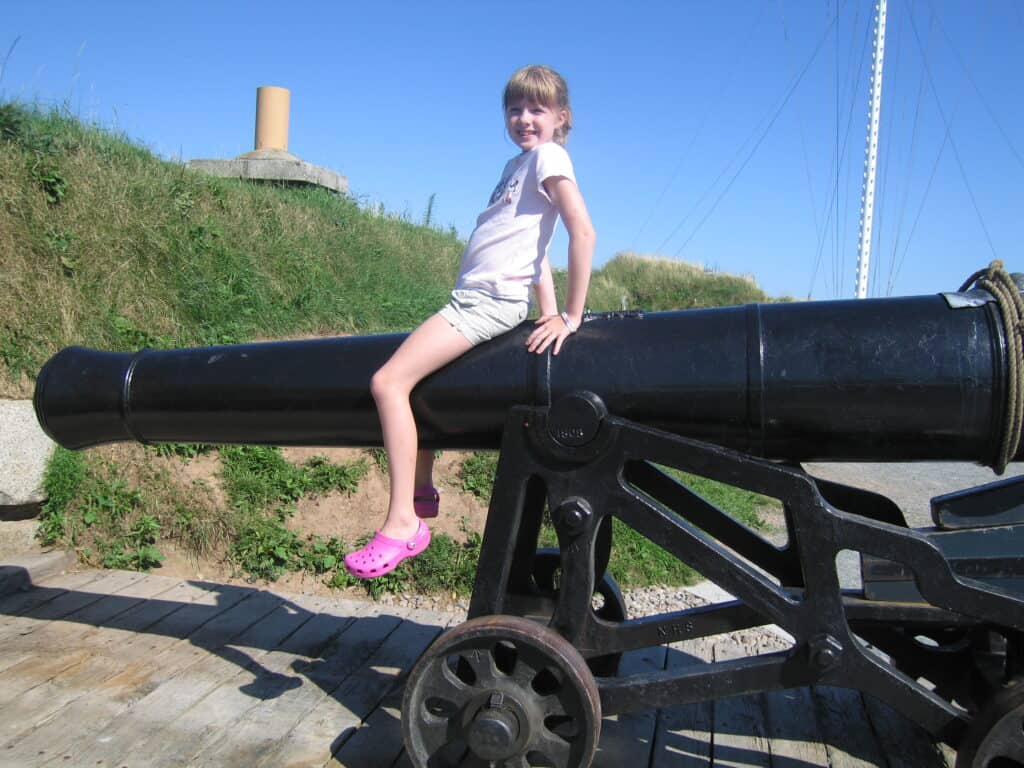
272 107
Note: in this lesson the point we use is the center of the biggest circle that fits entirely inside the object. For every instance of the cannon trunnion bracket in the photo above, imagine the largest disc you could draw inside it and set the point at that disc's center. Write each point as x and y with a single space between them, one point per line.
938 639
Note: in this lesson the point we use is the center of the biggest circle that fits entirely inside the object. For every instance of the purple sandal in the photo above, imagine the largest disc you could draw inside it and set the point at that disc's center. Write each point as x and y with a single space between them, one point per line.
425 501
383 554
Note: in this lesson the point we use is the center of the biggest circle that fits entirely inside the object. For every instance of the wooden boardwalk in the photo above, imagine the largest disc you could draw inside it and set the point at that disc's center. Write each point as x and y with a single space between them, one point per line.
110 668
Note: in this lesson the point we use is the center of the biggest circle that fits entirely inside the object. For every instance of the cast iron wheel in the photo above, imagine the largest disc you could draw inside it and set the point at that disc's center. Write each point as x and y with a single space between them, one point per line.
501 691
995 737
613 606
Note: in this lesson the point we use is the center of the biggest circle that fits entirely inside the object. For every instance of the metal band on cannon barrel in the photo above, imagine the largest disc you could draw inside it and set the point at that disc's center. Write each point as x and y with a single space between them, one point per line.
878 379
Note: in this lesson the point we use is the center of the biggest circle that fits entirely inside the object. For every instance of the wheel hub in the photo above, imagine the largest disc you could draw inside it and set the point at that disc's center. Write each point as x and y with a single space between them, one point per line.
494 732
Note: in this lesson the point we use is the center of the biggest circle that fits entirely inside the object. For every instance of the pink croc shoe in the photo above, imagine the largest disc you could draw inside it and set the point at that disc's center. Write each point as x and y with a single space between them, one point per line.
382 554
425 501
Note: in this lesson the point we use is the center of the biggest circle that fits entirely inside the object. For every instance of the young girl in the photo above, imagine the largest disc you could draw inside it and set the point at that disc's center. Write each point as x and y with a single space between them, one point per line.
506 253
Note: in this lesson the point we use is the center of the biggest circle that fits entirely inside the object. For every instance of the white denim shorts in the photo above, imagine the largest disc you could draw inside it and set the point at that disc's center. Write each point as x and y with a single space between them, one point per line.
479 316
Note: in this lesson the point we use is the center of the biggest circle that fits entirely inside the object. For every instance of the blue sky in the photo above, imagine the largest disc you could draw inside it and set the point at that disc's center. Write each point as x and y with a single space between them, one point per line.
727 133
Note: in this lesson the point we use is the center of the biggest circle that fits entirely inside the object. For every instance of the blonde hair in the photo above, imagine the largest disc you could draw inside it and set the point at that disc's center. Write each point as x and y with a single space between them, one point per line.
541 85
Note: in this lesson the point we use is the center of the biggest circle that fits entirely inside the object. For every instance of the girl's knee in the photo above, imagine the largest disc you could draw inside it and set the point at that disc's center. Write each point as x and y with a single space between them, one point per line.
383 385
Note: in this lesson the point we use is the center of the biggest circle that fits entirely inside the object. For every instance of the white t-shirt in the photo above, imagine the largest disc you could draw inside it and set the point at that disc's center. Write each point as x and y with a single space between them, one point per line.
510 243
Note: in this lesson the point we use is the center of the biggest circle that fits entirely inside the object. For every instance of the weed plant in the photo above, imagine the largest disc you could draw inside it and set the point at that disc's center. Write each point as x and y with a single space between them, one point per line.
477 474
92 509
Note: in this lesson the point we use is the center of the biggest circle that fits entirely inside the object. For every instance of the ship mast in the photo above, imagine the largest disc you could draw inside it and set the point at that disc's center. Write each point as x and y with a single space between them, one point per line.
871 154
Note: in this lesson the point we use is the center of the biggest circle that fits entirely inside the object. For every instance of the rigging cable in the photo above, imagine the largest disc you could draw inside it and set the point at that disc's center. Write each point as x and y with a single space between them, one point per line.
891 277
720 92
845 218
977 90
840 151
803 141
956 153
757 144
927 190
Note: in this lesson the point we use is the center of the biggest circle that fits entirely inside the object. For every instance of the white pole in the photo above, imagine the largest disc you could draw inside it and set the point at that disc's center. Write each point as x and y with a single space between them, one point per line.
867 210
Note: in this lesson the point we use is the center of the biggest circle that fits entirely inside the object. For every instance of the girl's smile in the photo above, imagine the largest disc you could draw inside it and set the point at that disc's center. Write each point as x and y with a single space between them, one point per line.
531 124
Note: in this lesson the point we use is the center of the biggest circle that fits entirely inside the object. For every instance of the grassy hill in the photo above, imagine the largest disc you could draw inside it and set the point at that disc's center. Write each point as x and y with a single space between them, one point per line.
105 245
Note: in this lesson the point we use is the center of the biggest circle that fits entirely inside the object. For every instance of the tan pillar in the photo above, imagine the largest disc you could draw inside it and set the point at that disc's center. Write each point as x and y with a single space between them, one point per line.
272 107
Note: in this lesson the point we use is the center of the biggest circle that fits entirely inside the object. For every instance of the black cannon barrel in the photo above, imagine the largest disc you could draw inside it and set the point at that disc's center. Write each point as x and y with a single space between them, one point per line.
879 379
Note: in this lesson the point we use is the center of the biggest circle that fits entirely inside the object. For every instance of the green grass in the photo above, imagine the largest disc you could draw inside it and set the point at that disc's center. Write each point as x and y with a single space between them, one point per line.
258 477
106 245
91 508
635 561
477 474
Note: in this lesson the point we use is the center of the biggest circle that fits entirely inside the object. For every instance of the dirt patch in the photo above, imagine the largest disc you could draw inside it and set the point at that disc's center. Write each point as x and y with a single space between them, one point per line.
346 516
350 517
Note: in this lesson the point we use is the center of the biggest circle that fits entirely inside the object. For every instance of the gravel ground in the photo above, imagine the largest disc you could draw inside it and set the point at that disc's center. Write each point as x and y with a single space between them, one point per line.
912 485
646 601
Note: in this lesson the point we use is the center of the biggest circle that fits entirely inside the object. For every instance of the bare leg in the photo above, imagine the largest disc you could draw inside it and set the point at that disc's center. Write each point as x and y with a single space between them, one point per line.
424 469
429 347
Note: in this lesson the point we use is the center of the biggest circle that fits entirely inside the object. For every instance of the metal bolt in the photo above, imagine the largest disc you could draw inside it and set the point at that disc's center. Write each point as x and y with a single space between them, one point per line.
494 731
825 651
573 514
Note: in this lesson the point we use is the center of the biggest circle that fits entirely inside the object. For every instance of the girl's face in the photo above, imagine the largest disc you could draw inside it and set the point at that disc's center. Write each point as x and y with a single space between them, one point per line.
531 124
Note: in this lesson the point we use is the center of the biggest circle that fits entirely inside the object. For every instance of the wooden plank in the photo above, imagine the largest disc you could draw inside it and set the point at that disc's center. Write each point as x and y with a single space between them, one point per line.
95 661
16 603
260 725
115 596
150 657
791 725
174 680
25 612
135 651
113 700
629 738
217 727
905 743
378 689
845 730
740 737
683 735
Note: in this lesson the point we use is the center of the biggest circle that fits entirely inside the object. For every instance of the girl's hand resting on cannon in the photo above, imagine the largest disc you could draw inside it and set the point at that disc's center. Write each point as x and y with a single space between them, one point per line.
551 328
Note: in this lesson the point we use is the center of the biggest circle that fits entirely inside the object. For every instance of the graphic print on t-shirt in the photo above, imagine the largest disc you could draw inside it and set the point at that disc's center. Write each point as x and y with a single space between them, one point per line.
507 188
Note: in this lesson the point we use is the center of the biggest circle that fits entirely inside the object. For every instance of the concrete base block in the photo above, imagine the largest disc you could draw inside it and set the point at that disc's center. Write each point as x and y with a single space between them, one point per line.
273 165
24 451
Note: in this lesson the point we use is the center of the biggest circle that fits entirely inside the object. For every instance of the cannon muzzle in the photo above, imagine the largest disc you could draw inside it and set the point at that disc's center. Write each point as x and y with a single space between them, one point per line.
918 378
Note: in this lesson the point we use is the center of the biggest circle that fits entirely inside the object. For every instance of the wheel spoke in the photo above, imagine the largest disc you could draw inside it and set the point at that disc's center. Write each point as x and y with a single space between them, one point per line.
435 734
482 662
447 683
553 747
553 706
524 672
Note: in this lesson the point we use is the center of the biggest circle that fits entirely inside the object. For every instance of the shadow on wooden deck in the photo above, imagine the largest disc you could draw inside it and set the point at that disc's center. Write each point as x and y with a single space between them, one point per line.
125 669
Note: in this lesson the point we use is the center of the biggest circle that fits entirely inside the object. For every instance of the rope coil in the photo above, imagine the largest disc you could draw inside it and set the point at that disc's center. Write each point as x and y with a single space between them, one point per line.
996 281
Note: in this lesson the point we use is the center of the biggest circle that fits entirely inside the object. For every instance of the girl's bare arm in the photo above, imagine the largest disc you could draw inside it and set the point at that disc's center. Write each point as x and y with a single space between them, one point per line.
567 199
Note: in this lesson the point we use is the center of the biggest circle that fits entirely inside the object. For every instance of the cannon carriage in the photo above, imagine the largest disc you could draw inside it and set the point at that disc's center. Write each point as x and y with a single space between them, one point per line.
743 396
